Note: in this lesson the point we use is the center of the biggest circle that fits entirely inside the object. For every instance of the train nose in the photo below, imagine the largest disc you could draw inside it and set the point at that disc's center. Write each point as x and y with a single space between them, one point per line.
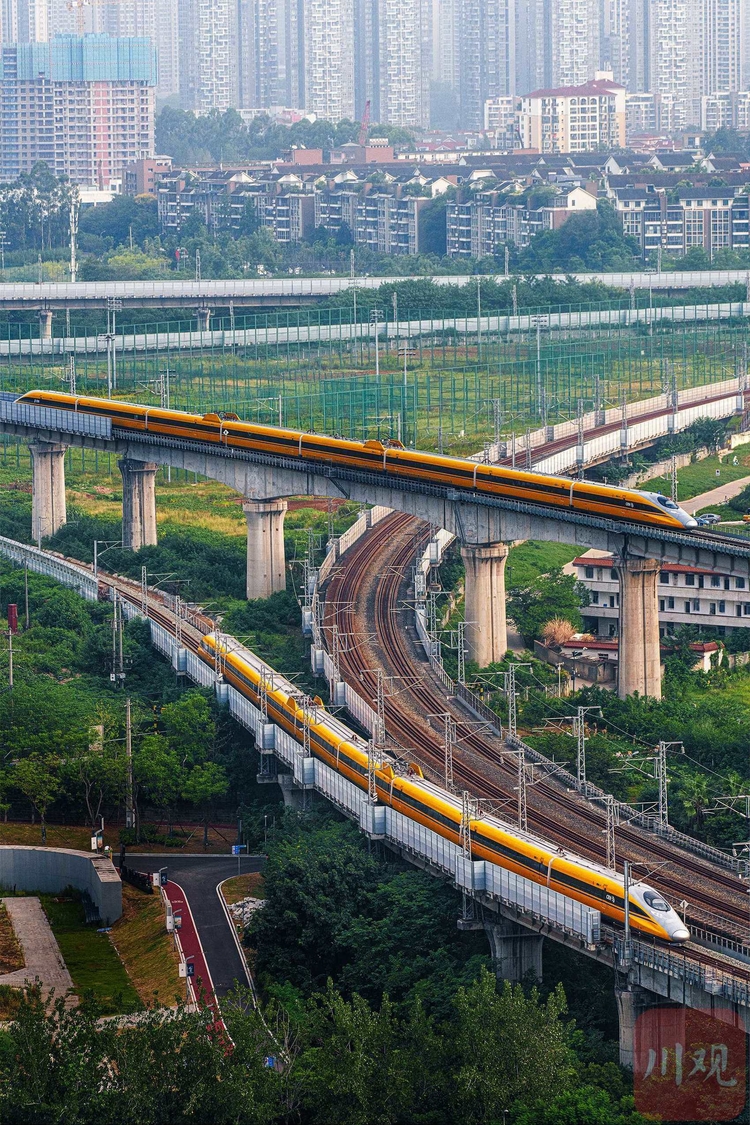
681 934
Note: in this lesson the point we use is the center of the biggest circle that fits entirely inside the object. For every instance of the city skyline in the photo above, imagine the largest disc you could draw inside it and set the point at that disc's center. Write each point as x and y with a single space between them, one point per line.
417 63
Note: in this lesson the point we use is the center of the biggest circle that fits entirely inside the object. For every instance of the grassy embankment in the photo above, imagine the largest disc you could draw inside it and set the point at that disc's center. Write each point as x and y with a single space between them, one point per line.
694 480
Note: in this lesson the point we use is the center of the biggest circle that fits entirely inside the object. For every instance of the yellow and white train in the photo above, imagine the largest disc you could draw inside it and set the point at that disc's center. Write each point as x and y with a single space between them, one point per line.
389 458
420 800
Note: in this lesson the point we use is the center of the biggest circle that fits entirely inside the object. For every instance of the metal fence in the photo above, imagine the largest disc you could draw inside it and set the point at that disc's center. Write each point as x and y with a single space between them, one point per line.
434 381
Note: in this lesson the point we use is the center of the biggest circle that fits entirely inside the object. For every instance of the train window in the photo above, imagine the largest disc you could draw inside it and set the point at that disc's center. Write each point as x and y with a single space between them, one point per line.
654 901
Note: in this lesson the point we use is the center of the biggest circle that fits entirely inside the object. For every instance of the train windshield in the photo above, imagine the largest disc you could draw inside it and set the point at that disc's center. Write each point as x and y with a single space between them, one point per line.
667 503
654 901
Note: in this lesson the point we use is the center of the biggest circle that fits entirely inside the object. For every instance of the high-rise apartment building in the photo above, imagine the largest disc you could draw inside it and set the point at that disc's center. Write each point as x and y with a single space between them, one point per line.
625 42
719 25
575 41
270 46
397 52
487 56
156 20
574 118
83 105
671 45
208 54
329 58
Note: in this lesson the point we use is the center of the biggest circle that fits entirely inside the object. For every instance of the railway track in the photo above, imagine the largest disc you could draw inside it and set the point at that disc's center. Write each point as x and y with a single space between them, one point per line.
371 582
192 632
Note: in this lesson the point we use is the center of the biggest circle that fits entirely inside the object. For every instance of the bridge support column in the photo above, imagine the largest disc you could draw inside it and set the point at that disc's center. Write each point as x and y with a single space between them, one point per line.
516 951
45 324
632 1002
204 318
138 503
639 661
486 627
266 570
48 513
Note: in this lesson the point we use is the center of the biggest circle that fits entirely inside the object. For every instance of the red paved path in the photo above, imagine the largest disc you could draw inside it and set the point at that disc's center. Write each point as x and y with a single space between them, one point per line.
191 945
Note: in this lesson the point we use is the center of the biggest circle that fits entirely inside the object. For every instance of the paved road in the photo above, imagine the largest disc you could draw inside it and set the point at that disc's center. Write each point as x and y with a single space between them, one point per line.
199 876
715 496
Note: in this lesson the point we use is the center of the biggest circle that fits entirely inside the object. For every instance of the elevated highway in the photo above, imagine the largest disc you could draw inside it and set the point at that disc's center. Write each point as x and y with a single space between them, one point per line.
241 293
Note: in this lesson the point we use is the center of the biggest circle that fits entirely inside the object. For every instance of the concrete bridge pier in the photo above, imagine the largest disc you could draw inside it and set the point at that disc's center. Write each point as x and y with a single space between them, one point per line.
48 512
204 318
632 1001
486 626
266 569
516 951
639 662
45 324
138 503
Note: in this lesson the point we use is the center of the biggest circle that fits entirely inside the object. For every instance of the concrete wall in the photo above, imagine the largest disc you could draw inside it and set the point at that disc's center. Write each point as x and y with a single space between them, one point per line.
50 870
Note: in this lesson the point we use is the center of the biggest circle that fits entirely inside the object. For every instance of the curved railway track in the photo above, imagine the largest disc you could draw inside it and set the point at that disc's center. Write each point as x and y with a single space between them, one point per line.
193 630
370 583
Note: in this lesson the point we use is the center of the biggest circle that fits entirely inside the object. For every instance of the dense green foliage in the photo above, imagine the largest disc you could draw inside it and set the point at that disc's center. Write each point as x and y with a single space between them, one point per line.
225 137
501 1055
592 240
61 727
550 595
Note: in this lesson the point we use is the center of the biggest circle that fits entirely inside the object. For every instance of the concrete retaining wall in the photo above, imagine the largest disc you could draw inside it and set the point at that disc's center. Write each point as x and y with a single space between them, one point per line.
50 870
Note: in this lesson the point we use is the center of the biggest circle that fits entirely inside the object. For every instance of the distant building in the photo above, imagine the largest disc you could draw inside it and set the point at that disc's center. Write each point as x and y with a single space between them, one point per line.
710 218
486 222
573 118
500 120
140 178
688 595
84 106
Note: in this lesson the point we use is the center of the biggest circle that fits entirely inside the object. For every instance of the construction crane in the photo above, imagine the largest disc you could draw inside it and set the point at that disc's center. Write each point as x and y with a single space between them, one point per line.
77 6
365 123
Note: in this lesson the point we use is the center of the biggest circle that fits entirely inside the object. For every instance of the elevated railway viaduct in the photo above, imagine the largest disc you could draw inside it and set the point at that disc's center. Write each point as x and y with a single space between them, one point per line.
484 525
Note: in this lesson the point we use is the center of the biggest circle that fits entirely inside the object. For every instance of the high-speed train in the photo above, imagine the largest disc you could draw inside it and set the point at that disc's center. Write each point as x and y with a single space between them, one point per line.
388 458
441 811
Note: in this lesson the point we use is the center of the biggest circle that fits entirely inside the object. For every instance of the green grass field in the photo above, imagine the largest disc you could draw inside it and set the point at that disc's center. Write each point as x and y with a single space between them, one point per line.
98 974
527 561
701 477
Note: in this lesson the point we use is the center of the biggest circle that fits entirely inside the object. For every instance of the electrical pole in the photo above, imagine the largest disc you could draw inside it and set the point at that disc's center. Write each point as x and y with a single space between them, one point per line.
479 318
74 205
461 643
497 421
611 810
129 806
579 732
26 592
10 660
674 477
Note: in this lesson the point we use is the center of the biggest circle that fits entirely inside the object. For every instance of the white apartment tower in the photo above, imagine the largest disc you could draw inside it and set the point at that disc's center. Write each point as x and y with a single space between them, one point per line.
487 56
208 33
575 30
329 58
401 47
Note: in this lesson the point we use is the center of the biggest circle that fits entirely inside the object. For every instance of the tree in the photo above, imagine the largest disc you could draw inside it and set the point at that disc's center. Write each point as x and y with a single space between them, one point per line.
188 727
158 774
591 240
710 432
315 883
97 771
508 1047
552 595
38 779
204 784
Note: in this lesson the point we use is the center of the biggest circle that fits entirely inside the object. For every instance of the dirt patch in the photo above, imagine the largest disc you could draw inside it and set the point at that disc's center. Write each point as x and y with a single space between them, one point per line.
11 952
243 886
